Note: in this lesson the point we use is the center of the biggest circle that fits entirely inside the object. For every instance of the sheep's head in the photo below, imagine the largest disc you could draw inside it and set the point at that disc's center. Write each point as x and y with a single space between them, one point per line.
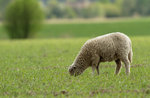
75 70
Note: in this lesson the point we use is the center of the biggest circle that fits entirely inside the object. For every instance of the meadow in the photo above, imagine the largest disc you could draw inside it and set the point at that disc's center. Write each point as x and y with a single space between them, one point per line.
39 67
90 28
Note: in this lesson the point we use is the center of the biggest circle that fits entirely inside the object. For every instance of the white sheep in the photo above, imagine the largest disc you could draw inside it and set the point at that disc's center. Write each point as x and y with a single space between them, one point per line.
114 46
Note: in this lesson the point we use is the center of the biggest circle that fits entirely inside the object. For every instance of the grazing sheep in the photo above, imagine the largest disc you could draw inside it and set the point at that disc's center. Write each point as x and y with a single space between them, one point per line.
110 47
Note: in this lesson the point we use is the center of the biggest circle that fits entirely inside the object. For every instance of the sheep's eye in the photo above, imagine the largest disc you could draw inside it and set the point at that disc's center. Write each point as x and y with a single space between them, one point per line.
74 67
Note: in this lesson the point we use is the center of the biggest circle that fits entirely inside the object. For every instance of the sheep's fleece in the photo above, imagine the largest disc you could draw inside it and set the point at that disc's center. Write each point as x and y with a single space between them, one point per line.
110 47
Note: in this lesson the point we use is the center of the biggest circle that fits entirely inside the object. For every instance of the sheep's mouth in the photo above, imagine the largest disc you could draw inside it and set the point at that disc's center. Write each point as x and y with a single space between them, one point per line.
77 74
74 73
71 74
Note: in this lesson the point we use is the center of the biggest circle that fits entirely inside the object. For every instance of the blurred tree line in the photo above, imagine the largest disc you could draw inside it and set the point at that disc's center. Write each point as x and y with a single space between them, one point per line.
95 8
90 8
82 8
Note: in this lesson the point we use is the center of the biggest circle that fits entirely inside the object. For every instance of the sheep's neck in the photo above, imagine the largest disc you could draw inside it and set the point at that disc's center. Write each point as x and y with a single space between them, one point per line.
83 61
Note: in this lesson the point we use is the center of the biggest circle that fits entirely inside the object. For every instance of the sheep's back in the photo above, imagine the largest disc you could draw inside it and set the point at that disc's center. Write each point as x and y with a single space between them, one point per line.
109 46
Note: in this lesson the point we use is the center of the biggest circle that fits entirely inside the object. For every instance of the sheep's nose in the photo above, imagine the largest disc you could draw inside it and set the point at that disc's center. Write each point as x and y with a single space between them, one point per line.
71 74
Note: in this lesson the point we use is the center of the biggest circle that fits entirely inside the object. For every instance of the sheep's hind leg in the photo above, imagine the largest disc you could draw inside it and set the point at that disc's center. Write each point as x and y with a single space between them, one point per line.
127 65
118 67
95 63
97 69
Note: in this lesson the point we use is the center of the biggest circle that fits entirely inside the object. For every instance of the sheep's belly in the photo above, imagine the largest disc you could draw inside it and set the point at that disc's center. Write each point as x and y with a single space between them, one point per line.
108 58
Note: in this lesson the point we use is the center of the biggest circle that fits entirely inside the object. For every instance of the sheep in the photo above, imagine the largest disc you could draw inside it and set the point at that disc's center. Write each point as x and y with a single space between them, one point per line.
106 48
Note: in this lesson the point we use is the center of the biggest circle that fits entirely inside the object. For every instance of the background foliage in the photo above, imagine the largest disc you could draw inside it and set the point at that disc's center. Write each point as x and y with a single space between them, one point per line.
97 8
21 18
90 8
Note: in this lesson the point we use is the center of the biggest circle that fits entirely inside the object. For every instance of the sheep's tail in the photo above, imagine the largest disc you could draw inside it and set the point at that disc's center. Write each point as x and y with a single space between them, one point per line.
130 55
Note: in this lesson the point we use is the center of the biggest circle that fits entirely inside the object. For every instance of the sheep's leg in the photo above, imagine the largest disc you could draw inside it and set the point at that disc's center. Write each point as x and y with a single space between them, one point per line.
93 70
118 67
97 69
127 65
95 63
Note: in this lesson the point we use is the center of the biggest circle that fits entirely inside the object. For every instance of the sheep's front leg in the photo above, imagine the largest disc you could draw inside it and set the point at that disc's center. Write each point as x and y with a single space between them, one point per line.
118 63
95 63
93 70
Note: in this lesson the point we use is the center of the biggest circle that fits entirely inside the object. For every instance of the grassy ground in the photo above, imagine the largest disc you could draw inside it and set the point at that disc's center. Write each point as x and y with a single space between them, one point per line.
57 29
131 27
39 68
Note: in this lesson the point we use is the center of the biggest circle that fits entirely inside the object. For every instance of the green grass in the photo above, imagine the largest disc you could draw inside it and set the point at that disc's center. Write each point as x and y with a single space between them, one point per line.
95 29
135 27
39 68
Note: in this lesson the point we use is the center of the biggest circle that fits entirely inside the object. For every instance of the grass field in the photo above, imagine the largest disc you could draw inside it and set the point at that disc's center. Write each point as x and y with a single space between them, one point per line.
135 27
132 27
39 68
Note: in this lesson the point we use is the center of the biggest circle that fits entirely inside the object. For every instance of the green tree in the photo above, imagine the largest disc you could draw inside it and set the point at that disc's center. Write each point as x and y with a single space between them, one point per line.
22 18
142 7
54 10
94 10
129 7
69 13
111 10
